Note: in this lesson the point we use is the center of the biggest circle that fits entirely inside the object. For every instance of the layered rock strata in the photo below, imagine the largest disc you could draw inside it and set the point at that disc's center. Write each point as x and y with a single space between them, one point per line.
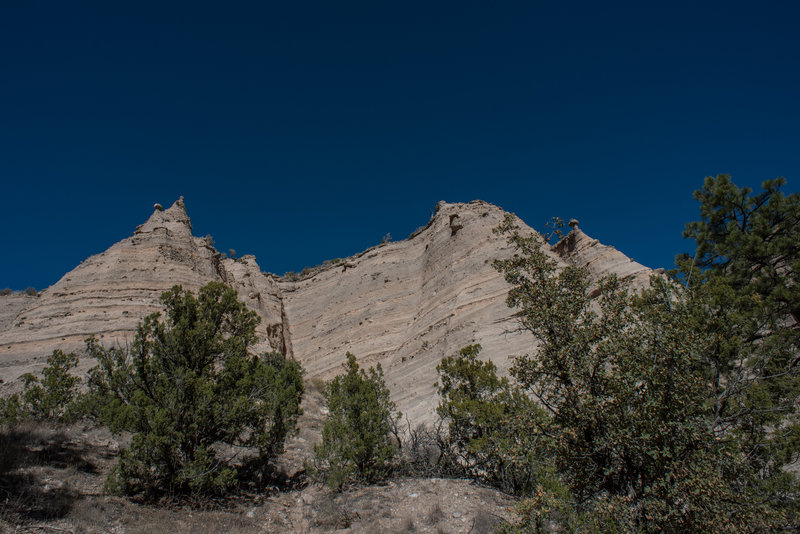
577 248
109 293
402 304
408 304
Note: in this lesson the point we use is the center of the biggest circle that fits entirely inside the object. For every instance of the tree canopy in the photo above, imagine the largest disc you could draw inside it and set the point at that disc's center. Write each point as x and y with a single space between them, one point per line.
674 407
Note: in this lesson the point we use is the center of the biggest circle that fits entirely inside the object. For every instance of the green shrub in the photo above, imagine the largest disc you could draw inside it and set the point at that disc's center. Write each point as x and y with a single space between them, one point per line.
496 432
53 396
11 410
187 385
357 444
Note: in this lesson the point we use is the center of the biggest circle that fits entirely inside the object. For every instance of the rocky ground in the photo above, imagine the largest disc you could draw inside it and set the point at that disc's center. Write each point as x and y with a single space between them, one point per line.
56 486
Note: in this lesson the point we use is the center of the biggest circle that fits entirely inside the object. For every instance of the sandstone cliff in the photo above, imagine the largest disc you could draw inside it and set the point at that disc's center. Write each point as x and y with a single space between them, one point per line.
11 305
402 304
109 293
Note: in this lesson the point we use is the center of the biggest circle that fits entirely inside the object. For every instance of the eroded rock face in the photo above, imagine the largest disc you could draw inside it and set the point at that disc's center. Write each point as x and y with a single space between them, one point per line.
109 293
408 304
11 305
578 248
405 304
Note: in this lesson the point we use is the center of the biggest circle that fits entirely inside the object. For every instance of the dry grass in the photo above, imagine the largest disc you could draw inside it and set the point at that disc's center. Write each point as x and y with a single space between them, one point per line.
407 526
316 384
53 479
330 512
28 488
484 522
435 514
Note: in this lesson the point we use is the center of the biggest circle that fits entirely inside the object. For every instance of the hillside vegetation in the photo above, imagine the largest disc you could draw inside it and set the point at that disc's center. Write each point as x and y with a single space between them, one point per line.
672 408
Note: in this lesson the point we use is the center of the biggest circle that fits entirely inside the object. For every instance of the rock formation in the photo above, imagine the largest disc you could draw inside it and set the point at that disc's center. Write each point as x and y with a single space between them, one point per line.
109 293
10 305
402 304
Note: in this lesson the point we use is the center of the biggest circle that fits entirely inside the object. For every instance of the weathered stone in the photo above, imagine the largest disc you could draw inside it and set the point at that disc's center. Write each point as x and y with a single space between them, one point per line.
109 293
404 304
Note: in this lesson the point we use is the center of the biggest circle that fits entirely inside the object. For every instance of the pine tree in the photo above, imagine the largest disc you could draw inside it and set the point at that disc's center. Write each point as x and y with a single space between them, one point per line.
742 284
188 384
629 381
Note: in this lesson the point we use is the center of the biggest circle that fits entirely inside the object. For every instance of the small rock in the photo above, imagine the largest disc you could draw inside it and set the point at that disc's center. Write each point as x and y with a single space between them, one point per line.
307 498
456 515
252 513
413 494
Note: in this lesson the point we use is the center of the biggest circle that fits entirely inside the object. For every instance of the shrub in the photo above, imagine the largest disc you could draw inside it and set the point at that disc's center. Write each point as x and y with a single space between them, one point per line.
54 396
188 385
11 411
424 452
357 444
417 231
495 430
31 291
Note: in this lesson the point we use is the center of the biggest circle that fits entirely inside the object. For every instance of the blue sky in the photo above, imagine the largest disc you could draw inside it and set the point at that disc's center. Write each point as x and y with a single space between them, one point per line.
303 131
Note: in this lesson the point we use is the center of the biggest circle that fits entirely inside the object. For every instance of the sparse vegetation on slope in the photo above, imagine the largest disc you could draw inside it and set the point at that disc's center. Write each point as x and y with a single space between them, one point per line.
672 408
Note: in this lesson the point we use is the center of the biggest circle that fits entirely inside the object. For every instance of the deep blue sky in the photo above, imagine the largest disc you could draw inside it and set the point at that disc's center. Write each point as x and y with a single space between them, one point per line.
303 131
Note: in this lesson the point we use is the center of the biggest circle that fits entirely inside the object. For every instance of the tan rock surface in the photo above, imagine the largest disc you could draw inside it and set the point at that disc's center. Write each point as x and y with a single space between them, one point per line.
579 249
403 304
11 305
408 304
109 293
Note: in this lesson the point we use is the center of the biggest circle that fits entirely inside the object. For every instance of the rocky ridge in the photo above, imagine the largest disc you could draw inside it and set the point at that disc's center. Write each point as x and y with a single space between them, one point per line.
402 304
109 293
